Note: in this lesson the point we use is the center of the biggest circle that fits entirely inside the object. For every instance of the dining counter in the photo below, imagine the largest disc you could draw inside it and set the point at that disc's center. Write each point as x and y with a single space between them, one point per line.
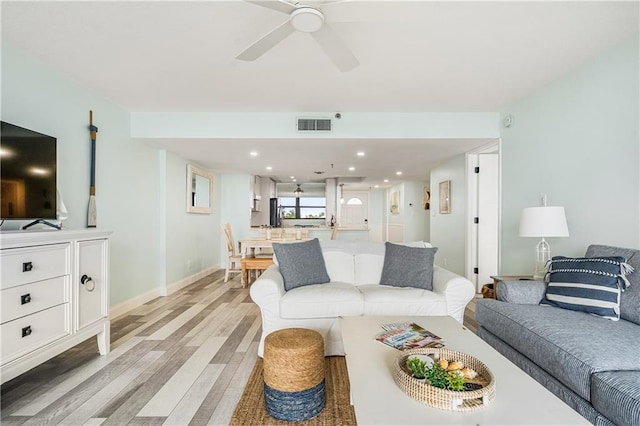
321 233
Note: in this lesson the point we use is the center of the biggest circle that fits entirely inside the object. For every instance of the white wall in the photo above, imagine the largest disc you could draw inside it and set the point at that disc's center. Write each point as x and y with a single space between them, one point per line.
577 141
235 209
140 191
416 218
448 230
191 238
36 97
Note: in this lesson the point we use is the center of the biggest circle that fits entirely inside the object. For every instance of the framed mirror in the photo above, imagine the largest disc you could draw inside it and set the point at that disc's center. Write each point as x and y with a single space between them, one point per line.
199 190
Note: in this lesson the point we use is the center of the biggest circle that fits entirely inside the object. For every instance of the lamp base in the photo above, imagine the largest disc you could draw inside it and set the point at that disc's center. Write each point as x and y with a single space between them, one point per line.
543 255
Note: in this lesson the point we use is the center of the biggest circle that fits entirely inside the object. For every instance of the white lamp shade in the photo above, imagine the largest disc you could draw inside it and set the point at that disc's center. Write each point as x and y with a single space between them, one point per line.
543 222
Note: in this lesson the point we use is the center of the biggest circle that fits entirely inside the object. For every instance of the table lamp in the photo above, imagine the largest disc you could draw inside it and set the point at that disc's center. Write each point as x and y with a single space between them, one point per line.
546 221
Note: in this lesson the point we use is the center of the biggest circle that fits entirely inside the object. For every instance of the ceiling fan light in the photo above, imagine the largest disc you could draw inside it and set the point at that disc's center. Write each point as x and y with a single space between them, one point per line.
307 19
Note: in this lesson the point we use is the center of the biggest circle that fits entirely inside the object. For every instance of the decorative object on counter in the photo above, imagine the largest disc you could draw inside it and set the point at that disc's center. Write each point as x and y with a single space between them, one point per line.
473 382
541 222
333 221
445 197
92 211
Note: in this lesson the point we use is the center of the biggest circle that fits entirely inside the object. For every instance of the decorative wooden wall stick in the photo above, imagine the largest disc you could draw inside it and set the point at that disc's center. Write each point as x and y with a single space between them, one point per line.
92 213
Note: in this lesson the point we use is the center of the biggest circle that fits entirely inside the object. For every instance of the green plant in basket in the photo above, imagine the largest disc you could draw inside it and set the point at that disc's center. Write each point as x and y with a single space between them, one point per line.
437 376
417 366
455 380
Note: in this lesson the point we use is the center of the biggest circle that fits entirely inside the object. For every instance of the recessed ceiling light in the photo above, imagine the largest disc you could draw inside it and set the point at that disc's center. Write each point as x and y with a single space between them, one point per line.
269 168
292 177
398 173
386 181
295 180
360 154
253 153
351 168
376 186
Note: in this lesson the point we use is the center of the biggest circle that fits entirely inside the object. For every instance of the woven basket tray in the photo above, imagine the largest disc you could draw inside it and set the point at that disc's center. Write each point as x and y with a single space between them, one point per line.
442 398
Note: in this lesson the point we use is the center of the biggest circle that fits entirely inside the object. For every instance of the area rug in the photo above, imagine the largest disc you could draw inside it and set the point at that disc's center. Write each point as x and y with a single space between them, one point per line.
338 411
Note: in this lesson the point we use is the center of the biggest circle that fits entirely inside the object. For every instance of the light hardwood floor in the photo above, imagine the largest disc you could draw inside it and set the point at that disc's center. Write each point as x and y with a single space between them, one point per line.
177 360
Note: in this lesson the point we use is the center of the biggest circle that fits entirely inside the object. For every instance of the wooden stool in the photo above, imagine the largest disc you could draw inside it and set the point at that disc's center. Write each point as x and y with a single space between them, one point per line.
253 264
294 387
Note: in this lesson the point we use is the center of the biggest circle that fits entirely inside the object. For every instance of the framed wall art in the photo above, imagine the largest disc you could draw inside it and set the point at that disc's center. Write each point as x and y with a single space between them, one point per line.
445 197
395 202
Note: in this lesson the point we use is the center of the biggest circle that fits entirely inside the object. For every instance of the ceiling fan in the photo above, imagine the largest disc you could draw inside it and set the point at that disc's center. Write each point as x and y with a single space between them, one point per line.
307 19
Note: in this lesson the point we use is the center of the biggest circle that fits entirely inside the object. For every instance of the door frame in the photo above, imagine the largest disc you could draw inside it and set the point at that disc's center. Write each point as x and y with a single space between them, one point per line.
471 243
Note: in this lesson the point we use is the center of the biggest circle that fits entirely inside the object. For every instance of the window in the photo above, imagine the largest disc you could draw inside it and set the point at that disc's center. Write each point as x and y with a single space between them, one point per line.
304 207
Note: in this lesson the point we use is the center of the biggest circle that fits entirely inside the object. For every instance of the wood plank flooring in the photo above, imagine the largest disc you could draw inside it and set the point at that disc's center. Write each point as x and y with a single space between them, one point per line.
177 360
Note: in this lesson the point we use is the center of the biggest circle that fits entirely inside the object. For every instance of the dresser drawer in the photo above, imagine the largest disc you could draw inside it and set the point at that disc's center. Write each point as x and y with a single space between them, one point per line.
26 299
30 264
25 334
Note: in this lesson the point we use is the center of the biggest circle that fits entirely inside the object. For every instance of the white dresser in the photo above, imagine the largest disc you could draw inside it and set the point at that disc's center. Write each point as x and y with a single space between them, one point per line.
54 294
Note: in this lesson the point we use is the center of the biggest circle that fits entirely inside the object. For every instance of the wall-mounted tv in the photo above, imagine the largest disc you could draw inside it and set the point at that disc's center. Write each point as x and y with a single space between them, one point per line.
28 172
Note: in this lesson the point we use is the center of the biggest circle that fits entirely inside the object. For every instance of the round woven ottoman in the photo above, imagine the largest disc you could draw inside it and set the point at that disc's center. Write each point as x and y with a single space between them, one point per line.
293 365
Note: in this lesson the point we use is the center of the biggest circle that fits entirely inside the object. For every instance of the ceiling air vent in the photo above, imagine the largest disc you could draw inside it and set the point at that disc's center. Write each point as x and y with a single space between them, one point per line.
314 124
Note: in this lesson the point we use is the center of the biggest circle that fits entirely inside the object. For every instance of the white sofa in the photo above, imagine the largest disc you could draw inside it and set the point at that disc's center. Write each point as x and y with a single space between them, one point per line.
355 269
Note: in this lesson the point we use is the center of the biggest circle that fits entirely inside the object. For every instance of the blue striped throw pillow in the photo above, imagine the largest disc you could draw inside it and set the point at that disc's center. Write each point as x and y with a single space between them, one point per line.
591 285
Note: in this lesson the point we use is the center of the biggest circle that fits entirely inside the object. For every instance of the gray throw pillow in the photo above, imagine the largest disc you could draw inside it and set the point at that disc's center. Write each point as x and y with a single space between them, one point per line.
408 266
301 263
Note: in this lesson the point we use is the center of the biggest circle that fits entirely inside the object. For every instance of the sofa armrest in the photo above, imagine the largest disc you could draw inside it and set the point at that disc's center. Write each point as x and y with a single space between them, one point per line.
456 289
521 292
267 290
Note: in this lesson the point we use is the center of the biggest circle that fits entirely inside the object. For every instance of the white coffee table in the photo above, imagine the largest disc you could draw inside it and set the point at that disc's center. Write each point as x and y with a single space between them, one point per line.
377 399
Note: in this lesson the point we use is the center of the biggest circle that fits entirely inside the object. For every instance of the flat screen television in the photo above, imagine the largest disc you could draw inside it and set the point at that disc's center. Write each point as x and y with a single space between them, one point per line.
28 172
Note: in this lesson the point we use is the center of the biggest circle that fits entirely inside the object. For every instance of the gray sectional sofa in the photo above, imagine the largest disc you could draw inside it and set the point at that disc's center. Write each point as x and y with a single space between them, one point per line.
591 363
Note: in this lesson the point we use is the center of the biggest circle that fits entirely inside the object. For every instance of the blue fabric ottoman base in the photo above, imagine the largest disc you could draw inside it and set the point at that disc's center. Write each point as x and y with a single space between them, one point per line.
295 406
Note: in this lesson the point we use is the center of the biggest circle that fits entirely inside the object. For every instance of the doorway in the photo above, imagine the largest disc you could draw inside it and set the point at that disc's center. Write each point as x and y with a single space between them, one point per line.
354 209
483 214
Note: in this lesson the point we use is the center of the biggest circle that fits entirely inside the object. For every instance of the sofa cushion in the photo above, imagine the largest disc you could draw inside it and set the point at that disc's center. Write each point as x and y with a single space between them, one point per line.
630 298
587 284
408 266
616 394
387 300
322 301
550 338
301 263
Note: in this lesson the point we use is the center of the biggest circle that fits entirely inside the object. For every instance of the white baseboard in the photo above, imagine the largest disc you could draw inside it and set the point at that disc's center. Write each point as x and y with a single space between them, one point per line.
134 302
179 285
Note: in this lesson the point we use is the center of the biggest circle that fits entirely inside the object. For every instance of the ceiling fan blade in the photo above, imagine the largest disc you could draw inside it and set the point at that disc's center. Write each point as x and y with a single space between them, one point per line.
335 48
261 46
279 5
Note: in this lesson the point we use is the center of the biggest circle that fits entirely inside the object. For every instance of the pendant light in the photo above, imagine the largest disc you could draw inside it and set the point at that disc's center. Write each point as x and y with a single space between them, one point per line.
298 192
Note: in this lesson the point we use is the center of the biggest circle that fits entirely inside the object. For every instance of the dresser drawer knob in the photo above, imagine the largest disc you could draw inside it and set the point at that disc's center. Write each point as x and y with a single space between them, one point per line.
88 282
26 331
27 266
25 298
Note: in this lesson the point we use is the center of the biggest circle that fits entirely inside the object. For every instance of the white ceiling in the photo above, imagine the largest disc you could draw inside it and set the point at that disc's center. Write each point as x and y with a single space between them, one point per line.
415 56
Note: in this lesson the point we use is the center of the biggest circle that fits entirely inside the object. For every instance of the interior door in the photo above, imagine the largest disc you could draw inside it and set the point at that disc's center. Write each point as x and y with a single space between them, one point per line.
354 209
487 240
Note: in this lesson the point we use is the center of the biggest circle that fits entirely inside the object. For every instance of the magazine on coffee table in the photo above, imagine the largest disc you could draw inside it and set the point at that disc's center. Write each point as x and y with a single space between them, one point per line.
408 335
